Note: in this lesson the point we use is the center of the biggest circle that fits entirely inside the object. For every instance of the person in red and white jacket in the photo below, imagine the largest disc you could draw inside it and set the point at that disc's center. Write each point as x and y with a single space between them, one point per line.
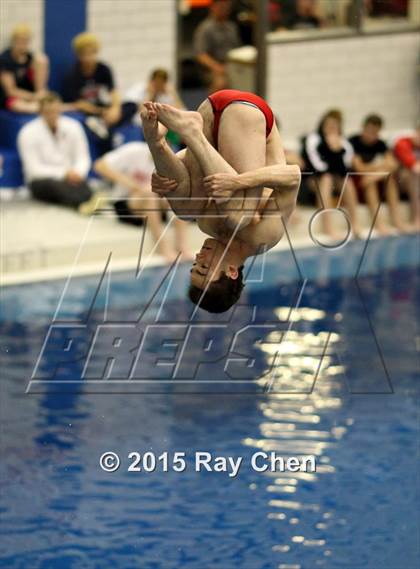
407 152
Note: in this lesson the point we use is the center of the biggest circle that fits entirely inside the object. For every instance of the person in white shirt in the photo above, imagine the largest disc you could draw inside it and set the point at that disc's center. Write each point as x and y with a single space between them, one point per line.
130 168
55 156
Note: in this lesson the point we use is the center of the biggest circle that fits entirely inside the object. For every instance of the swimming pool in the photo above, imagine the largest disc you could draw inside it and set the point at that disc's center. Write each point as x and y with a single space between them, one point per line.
337 380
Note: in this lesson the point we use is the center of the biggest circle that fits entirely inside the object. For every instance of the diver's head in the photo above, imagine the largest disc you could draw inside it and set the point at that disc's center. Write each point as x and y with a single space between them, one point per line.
218 271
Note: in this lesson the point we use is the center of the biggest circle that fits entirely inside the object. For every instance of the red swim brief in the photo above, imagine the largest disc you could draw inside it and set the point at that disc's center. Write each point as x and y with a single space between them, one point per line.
222 99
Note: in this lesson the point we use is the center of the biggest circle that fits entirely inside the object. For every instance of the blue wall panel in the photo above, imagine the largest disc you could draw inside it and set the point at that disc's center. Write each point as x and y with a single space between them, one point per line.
63 19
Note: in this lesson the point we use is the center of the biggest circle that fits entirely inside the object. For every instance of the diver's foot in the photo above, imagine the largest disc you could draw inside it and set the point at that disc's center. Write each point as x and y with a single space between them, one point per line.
154 132
184 123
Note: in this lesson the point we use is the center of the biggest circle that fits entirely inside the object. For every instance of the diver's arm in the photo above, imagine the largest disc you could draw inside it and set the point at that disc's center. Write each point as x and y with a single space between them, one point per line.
279 177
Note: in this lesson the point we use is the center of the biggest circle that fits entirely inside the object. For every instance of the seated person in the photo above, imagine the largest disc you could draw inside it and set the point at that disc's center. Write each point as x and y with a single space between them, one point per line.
213 39
387 8
299 15
407 152
55 157
377 166
23 74
244 13
130 168
90 88
329 155
158 89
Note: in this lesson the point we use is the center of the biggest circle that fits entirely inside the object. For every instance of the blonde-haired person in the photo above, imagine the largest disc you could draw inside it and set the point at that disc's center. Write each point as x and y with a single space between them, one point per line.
23 73
90 88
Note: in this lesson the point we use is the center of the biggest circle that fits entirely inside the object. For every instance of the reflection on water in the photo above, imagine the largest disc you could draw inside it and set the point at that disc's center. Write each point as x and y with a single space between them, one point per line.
60 511
292 426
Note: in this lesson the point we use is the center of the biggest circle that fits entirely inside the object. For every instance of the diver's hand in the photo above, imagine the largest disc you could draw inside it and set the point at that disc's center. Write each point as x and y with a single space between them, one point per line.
162 185
221 187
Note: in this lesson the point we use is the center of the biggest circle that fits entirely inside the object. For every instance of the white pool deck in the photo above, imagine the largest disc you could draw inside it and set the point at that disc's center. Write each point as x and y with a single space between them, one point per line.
41 241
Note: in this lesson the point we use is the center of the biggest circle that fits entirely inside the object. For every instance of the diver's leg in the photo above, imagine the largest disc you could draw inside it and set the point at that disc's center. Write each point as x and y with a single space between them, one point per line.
189 125
239 123
167 163
182 196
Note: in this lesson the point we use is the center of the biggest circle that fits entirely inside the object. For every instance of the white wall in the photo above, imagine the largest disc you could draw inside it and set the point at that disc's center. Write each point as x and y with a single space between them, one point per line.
358 75
14 12
136 35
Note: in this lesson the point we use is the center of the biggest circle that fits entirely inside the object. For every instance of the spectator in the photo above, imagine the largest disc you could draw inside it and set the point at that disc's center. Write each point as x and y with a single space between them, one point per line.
407 152
244 13
377 166
386 8
55 157
274 15
329 154
299 15
158 89
213 39
23 74
130 169
90 88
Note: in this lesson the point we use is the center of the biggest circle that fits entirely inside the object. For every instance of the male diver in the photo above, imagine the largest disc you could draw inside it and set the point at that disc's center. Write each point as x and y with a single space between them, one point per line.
232 177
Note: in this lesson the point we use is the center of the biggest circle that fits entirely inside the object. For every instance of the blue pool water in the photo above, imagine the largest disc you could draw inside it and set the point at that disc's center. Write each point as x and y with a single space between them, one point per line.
314 362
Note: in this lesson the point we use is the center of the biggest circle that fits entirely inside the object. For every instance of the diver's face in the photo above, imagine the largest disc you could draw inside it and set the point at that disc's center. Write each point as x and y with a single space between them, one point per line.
207 266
